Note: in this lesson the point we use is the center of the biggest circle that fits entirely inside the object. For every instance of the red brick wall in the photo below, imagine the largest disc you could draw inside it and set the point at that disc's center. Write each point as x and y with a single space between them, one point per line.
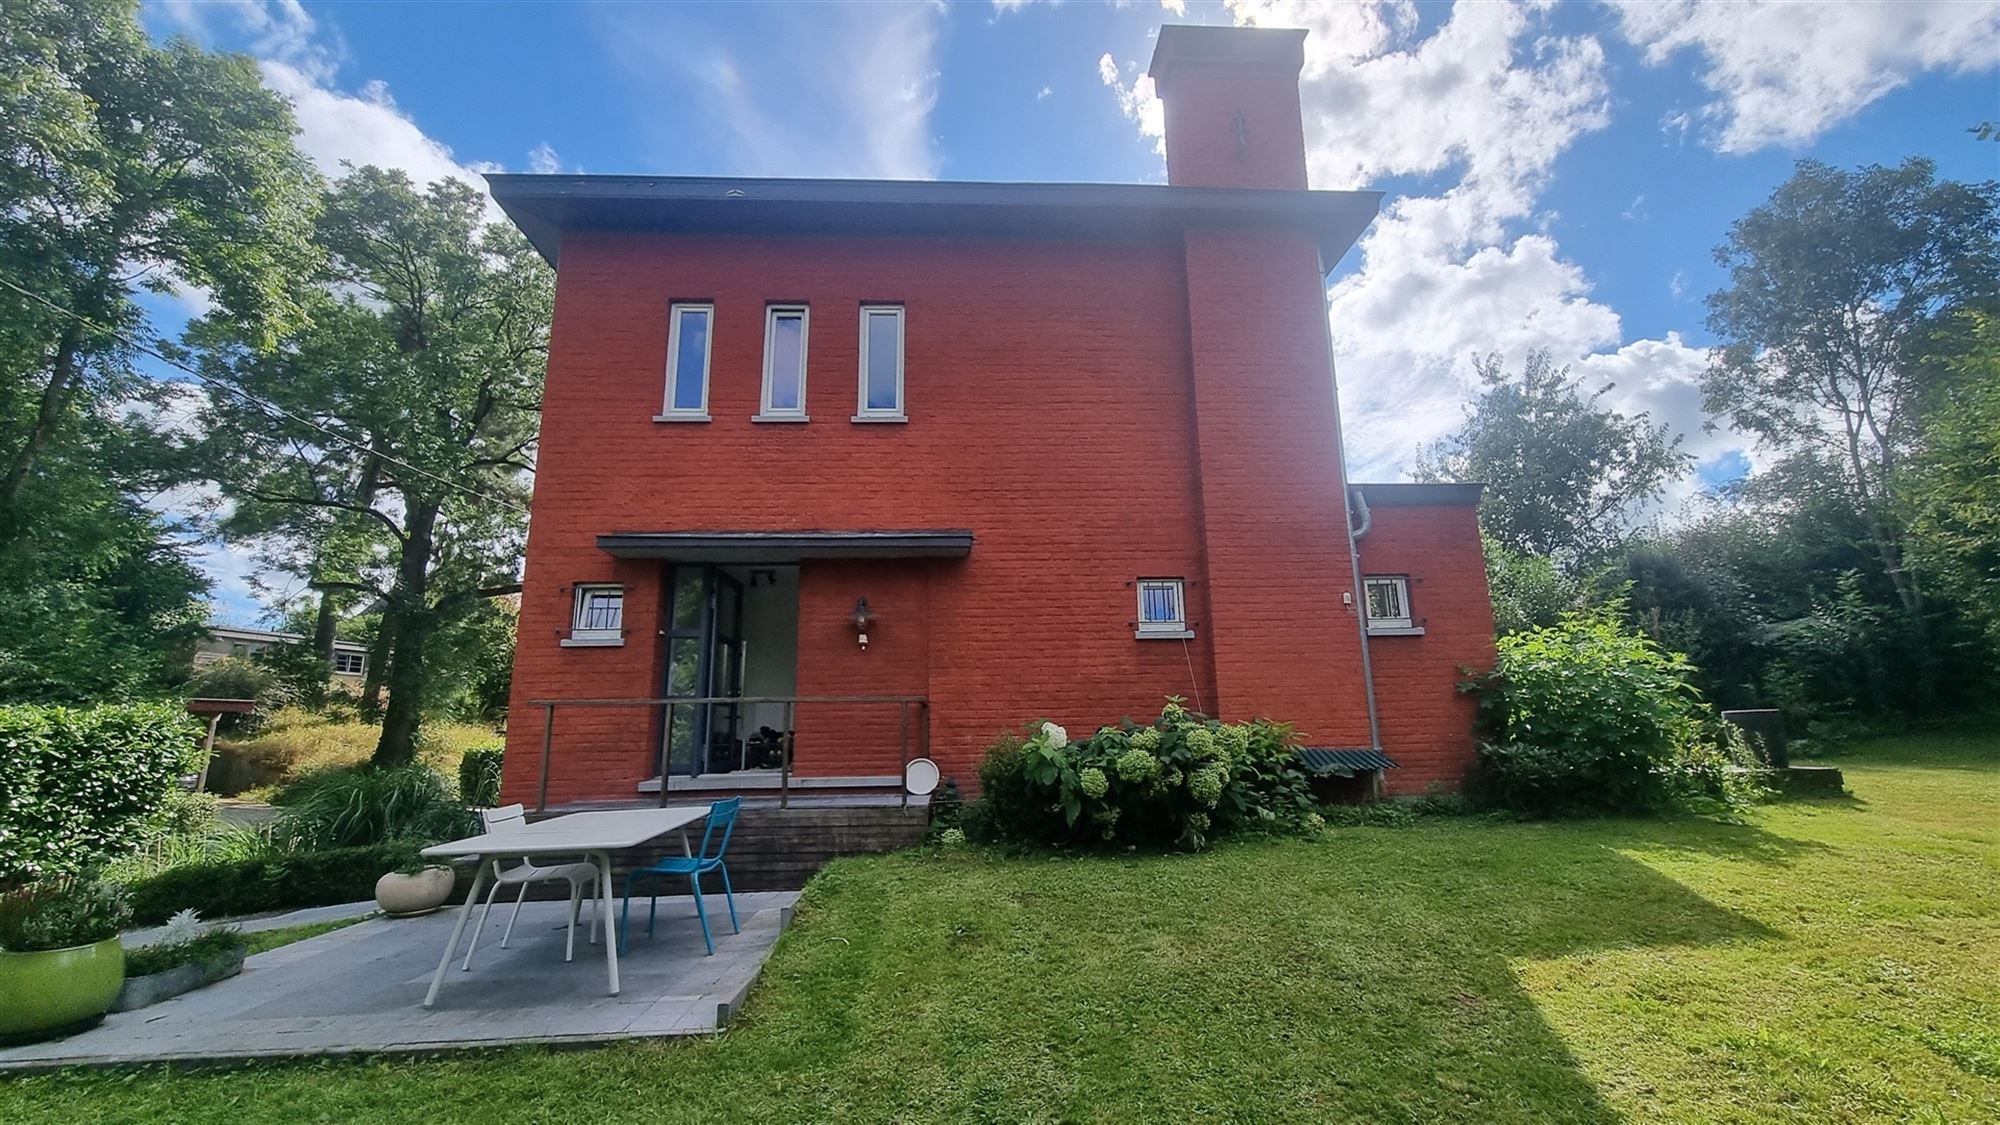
1053 391
862 740
1272 495
1047 389
1426 723
1201 105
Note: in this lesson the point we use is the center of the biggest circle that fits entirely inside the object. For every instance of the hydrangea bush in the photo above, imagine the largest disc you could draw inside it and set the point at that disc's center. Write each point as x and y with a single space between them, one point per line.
1178 781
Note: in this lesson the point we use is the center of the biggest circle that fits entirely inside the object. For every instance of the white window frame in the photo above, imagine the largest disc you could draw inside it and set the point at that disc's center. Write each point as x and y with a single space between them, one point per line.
360 660
900 413
668 411
1176 629
579 601
765 412
1405 625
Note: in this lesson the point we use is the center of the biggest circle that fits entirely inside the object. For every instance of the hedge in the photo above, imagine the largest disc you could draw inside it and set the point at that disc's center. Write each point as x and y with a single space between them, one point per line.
80 787
278 881
479 777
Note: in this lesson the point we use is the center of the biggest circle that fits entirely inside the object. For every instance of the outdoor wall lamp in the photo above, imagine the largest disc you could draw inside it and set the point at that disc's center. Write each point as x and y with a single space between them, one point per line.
862 620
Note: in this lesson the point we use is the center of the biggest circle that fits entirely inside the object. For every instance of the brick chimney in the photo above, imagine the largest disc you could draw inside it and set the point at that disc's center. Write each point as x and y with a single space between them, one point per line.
1232 105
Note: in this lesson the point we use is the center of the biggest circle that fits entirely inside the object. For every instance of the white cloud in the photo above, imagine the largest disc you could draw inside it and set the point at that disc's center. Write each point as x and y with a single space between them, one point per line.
1783 73
1480 108
1137 101
363 128
299 58
1177 7
830 90
542 160
1043 93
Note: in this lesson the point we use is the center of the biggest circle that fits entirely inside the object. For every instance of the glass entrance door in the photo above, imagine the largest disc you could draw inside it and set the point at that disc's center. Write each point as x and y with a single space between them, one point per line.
704 660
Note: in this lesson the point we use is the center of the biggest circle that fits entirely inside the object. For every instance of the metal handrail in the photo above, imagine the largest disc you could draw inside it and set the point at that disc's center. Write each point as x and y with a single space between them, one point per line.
790 703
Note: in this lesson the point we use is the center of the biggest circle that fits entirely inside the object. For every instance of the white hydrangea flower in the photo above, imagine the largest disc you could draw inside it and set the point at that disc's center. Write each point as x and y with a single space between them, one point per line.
1057 737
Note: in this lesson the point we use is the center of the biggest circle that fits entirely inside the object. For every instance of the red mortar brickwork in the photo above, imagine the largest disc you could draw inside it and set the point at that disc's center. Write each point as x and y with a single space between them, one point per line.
1093 411
1047 390
1426 721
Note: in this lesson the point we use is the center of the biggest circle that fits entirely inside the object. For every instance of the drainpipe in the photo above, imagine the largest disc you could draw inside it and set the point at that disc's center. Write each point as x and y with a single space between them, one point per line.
1353 496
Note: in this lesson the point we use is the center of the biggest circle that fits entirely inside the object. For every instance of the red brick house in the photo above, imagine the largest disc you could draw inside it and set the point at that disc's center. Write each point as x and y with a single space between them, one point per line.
934 459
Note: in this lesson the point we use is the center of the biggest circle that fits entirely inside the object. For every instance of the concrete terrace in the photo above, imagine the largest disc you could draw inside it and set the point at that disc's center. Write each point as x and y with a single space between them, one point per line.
358 990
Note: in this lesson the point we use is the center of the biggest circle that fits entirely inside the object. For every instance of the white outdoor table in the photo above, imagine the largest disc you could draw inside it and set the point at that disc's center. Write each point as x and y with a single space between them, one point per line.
594 835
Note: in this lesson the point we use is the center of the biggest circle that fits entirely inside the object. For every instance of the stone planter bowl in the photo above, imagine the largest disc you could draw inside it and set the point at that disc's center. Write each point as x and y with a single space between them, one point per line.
59 990
141 991
405 896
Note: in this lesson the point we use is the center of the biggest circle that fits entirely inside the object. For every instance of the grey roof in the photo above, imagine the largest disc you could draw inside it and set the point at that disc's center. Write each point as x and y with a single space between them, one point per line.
1405 494
1342 762
784 546
545 207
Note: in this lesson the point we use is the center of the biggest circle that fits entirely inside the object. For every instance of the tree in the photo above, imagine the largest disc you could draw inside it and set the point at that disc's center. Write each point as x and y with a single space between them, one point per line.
1564 474
1528 592
1834 283
410 400
1953 484
126 165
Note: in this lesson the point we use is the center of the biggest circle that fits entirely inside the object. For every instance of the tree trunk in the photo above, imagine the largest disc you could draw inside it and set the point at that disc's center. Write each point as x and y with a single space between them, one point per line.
55 399
380 655
322 647
409 601
1889 551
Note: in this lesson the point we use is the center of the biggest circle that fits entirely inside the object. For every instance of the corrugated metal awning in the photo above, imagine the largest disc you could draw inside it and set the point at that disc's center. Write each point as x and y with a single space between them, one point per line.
1343 763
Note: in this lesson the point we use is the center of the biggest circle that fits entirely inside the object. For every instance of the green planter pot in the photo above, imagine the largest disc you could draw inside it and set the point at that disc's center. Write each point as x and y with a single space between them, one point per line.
58 991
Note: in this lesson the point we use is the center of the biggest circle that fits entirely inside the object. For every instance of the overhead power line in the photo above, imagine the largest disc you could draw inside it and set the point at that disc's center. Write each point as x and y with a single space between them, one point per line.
270 408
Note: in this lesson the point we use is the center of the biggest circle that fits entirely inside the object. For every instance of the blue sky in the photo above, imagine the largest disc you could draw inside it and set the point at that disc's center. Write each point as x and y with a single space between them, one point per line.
1558 173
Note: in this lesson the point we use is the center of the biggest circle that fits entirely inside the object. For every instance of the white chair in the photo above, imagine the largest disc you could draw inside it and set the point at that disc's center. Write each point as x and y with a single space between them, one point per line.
578 875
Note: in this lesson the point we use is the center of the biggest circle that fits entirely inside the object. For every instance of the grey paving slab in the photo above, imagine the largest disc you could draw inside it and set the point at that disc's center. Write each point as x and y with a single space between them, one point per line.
360 989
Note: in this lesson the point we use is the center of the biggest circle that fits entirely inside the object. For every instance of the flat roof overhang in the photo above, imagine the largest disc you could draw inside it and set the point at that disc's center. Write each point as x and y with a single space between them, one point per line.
545 207
1407 494
784 546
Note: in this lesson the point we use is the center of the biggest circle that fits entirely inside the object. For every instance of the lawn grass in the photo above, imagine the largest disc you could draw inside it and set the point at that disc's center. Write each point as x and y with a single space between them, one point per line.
294 742
1825 961
264 941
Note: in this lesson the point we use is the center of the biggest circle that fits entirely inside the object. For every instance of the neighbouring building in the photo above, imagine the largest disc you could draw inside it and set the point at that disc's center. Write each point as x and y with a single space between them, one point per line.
889 468
224 642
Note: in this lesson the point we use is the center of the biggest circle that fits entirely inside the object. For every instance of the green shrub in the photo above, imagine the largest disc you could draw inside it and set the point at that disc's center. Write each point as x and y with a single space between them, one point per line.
1587 717
231 678
275 880
211 948
1177 782
82 787
60 913
369 805
188 815
221 842
479 777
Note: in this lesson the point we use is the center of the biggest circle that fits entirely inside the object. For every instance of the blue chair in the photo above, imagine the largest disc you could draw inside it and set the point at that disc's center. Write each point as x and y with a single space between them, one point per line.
721 822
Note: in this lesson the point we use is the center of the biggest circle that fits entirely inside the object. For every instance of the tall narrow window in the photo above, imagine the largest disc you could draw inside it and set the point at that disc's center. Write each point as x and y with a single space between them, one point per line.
598 616
1162 609
881 364
784 364
688 340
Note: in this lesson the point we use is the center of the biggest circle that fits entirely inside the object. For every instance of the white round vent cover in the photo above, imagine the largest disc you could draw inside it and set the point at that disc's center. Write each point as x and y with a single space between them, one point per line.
920 776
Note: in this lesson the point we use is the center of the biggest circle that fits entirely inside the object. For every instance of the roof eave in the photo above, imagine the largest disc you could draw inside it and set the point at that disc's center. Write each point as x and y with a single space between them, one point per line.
545 207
